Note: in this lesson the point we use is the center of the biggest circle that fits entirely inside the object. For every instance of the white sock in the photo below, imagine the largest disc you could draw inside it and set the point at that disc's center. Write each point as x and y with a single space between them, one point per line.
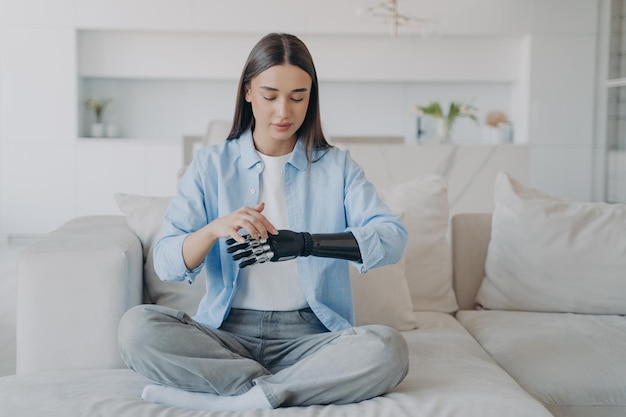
252 400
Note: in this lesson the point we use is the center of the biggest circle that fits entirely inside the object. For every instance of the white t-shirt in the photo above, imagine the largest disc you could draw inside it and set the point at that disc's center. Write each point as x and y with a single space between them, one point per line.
271 286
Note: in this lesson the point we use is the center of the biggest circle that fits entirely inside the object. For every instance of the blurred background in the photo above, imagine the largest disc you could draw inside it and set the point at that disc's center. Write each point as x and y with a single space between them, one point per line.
549 71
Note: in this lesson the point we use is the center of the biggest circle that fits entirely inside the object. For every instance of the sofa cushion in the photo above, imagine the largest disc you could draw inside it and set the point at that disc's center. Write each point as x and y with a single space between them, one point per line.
423 204
553 255
563 359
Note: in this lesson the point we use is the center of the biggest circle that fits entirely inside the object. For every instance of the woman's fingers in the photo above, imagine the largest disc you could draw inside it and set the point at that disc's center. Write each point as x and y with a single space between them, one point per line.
269 227
256 223
250 219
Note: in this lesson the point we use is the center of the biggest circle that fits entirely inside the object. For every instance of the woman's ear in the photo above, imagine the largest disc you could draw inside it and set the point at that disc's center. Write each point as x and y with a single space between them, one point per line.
247 95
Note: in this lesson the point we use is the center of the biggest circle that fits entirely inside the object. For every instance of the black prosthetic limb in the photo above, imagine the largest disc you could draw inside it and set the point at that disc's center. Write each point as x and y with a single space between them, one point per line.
289 245
336 245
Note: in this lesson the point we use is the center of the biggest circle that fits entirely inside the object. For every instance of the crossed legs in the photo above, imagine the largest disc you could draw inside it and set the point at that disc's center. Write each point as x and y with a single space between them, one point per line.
288 356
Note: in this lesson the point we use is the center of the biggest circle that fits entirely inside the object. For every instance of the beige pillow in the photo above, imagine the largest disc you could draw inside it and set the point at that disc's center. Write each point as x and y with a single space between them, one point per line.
381 296
423 203
554 255
144 216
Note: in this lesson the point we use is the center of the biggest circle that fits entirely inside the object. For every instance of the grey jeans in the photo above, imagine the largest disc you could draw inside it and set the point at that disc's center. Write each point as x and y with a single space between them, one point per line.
290 355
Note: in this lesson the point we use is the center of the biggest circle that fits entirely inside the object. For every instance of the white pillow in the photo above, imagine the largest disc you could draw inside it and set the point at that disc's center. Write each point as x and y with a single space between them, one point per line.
423 203
144 216
553 255
381 296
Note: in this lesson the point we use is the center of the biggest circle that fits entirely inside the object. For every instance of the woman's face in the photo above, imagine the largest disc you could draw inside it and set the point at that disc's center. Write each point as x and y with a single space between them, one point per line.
280 98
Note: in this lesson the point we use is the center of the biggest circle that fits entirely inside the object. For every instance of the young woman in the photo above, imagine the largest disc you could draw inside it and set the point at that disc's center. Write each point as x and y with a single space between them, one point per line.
274 214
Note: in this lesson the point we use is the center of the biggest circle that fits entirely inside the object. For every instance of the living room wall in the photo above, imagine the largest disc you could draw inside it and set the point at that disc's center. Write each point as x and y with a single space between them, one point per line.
48 175
163 83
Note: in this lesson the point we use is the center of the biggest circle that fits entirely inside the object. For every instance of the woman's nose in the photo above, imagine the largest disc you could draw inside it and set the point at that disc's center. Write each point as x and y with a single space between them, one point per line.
282 107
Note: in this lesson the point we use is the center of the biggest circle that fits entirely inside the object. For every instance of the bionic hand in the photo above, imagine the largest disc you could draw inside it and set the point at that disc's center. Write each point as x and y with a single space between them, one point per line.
289 245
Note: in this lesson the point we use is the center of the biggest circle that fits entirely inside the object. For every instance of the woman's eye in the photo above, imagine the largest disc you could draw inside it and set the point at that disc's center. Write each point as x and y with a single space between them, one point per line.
294 99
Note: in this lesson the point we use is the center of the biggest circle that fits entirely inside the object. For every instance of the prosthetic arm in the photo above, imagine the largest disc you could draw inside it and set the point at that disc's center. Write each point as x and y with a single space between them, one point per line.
289 245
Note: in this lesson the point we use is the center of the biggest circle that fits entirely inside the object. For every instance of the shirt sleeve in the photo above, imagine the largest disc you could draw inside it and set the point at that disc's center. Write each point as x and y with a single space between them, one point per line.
185 214
380 234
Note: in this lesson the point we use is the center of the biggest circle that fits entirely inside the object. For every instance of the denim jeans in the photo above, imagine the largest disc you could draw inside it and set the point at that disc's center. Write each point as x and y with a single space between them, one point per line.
290 355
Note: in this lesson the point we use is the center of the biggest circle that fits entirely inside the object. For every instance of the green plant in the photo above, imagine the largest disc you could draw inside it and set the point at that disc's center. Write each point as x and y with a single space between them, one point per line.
98 106
456 110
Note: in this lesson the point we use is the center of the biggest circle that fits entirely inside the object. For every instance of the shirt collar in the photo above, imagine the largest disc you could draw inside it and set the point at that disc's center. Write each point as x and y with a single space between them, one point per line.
298 157
249 155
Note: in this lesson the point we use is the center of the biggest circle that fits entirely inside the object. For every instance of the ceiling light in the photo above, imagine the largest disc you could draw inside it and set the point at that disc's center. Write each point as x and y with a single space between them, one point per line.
388 11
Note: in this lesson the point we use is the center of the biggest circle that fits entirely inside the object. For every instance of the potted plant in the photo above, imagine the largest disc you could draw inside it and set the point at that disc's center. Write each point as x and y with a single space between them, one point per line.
98 106
445 121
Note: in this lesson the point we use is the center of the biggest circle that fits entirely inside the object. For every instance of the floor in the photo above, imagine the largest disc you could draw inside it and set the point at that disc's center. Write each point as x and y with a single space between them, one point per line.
8 298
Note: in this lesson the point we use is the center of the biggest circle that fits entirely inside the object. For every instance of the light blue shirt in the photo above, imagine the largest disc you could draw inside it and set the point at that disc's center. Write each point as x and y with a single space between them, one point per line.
329 195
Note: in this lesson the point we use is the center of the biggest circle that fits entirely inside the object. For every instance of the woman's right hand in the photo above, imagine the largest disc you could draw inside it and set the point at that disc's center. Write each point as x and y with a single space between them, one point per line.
199 243
249 218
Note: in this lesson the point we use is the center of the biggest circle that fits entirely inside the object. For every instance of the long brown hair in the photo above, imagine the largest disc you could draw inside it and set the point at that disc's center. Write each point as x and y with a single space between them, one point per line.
278 49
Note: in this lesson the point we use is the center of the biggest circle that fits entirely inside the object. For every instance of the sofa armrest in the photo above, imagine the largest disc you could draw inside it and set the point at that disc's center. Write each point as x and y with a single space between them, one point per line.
471 233
73 287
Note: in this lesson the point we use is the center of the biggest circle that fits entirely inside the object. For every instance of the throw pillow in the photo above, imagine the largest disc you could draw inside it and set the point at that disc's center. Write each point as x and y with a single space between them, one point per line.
381 296
144 216
554 255
423 203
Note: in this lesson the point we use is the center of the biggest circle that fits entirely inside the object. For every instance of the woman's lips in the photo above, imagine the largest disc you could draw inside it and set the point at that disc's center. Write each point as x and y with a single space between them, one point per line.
281 127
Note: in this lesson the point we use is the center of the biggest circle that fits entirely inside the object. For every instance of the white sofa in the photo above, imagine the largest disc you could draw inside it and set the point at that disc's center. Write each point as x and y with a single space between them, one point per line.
75 284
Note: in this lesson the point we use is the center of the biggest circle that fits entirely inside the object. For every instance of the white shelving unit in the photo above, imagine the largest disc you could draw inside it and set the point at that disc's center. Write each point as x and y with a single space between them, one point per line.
169 84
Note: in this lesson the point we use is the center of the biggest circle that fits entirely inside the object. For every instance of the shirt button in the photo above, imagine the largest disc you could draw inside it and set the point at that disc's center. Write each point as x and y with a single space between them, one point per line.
252 191
259 167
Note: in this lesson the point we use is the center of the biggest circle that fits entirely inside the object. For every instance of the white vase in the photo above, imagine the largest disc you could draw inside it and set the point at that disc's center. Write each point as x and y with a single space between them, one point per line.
444 129
112 130
96 130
